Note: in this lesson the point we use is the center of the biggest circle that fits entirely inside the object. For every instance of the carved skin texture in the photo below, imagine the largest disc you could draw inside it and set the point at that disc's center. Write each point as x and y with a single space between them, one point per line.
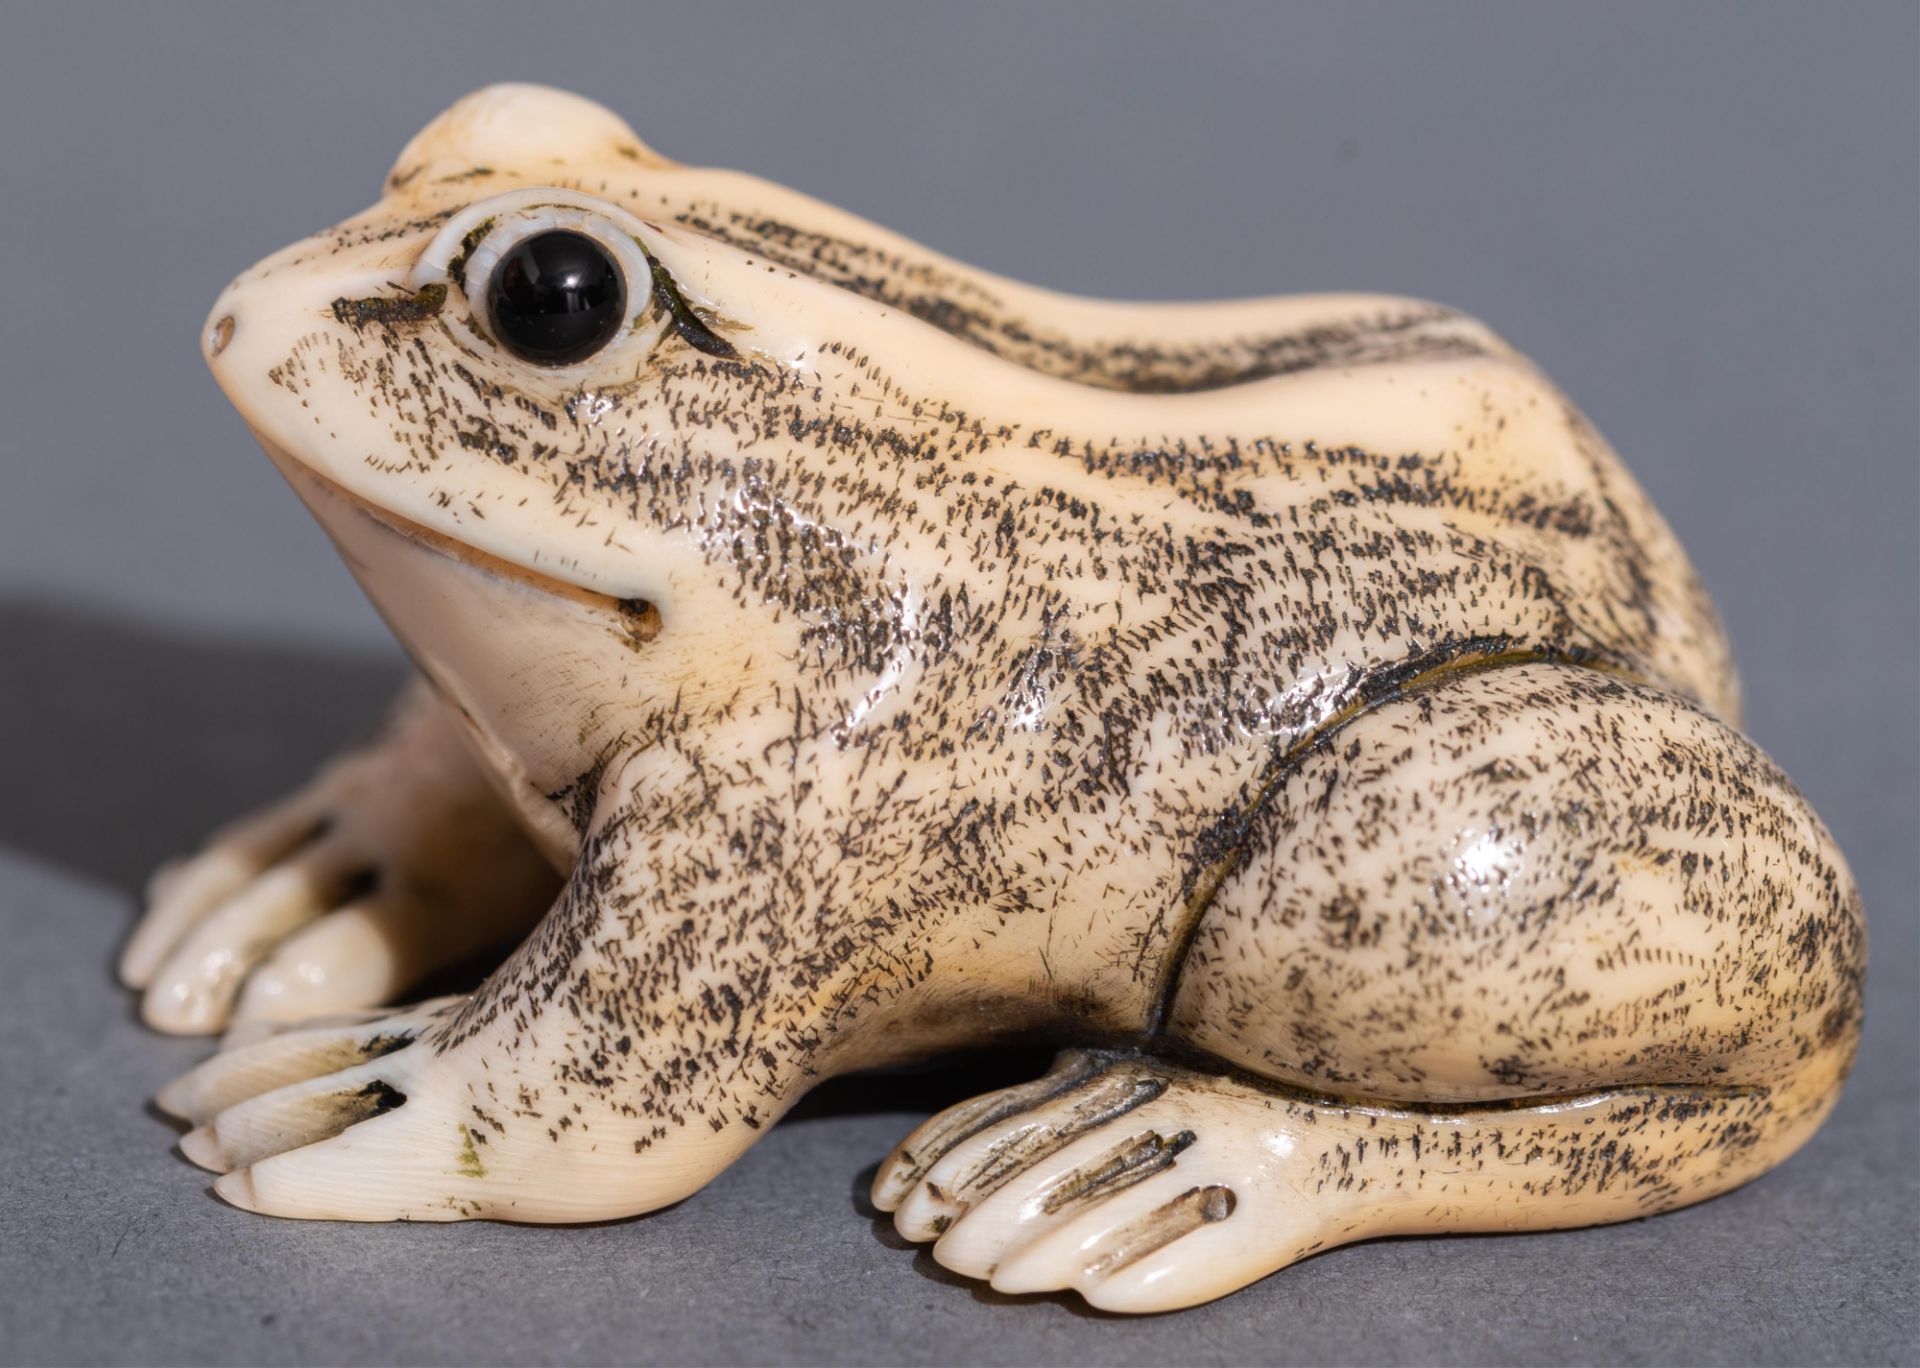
1293 703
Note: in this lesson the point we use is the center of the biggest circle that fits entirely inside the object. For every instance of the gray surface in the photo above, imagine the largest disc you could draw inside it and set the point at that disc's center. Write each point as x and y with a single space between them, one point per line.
1701 219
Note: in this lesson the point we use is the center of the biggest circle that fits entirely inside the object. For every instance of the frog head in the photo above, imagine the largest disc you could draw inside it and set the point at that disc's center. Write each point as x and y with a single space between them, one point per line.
542 416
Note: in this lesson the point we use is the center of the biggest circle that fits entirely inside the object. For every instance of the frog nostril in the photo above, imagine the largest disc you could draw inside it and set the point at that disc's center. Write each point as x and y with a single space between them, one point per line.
221 335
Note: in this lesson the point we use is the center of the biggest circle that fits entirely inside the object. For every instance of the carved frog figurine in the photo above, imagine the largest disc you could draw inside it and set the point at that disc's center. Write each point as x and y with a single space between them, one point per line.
832 655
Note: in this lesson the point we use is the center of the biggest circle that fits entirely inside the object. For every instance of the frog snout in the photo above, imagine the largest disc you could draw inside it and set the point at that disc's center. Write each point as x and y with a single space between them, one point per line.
237 344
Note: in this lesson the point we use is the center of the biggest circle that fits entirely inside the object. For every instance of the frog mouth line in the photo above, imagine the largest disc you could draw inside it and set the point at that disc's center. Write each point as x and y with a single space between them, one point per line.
304 478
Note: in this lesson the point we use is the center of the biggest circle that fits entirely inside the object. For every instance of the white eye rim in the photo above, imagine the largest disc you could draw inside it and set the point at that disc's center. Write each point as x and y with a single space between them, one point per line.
506 220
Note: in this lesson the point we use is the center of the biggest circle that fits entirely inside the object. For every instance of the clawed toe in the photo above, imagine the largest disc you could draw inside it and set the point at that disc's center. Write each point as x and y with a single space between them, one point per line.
285 1058
290 1117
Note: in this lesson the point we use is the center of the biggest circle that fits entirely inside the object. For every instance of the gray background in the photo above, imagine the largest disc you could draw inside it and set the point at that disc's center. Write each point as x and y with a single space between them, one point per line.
1702 219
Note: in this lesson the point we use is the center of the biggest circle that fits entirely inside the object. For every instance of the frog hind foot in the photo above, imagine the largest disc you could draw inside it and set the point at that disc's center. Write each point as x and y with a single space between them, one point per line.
1146 1186
1139 1184
392 864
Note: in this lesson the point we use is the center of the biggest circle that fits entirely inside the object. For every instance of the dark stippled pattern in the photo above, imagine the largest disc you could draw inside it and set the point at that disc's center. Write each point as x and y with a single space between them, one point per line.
1524 881
1060 652
972 706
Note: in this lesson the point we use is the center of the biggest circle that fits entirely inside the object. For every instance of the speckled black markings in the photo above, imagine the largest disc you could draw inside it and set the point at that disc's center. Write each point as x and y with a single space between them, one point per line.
967 308
1368 1167
1629 810
791 487
1081 683
1627 1154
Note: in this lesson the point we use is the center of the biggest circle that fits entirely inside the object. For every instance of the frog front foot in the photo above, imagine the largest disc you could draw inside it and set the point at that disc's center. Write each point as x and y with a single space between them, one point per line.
396 861
352 1119
418 1115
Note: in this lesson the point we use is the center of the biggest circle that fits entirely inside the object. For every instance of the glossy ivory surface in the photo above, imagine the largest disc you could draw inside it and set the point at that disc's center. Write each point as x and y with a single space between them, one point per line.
1293 704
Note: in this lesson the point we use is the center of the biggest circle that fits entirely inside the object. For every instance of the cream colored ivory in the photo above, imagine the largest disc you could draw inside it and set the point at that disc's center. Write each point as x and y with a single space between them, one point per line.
1291 706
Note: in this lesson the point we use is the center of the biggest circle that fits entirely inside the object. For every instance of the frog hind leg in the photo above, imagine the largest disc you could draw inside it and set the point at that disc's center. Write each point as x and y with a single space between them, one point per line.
1531 947
395 862
1146 1185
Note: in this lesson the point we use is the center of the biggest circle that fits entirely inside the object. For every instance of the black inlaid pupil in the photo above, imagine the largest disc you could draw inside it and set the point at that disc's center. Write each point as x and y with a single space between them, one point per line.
556 298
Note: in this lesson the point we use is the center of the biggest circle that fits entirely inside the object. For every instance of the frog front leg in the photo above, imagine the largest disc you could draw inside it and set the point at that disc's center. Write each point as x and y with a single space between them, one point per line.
394 862
665 1012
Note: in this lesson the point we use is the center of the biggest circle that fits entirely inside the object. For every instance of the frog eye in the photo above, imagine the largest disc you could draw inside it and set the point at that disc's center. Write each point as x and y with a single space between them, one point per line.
556 297
548 274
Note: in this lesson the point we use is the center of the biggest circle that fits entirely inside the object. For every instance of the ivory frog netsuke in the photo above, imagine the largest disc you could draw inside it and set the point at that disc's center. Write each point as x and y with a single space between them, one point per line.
830 655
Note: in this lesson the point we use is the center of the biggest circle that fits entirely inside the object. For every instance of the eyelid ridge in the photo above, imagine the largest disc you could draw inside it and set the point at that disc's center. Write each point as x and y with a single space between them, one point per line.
450 246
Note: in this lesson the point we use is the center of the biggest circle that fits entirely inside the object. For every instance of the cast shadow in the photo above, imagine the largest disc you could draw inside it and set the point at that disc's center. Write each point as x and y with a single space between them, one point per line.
123 745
